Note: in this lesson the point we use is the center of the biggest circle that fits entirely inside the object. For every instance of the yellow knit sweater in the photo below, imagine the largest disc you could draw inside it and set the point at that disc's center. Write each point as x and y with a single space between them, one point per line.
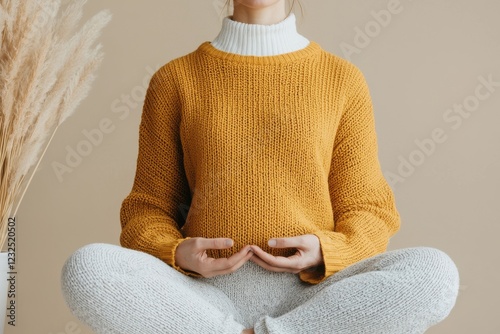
251 148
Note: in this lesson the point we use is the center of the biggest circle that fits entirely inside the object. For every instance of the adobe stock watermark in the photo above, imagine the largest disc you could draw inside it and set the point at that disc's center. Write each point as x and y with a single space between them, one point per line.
48 10
454 118
363 36
92 138
220 181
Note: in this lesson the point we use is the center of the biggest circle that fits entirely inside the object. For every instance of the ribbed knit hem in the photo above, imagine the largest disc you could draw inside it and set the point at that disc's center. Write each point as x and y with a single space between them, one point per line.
259 39
168 255
332 260
312 50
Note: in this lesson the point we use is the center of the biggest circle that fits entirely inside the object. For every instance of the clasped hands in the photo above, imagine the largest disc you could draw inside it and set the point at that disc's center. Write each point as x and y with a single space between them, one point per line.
191 255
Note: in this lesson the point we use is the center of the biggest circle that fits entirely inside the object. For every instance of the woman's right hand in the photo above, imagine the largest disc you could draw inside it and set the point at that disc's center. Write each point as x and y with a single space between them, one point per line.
191 255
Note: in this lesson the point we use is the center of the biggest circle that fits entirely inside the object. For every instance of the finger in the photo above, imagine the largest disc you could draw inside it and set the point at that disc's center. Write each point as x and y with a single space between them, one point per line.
269 267
202 244
292 262
223 264
232 268
242 261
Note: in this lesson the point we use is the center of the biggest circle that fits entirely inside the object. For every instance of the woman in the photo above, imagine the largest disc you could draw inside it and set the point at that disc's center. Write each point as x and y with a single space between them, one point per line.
258 204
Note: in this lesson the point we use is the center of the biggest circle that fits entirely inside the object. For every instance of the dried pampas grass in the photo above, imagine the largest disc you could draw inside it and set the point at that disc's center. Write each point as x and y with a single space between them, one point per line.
48 62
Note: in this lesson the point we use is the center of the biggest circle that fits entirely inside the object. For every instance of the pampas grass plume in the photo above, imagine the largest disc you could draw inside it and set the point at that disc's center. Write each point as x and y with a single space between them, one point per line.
48 62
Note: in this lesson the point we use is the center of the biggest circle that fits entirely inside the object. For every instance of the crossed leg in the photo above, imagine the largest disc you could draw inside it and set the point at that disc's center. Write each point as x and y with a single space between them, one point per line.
403 291
117 290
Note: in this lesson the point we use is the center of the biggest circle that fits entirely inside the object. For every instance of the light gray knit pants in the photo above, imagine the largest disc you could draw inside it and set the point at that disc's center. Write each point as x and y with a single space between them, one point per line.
117 290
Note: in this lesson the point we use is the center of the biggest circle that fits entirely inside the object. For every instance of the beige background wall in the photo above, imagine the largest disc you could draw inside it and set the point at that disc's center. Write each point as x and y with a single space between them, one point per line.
428 58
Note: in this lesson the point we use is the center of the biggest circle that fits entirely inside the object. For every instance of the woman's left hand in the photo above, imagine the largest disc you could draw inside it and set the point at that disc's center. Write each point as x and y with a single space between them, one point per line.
308 254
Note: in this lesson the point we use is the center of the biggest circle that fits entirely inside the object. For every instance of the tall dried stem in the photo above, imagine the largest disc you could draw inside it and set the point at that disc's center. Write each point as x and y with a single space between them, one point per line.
48 62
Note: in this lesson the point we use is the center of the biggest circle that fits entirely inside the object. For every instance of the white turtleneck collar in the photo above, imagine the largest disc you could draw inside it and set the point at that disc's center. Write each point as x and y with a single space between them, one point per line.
259 39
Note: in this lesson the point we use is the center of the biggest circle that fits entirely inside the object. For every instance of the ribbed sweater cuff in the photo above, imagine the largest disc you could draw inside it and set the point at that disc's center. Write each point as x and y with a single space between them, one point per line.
333 260
168 256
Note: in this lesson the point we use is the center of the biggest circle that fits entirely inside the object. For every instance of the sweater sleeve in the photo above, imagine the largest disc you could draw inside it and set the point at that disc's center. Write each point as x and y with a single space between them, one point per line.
151 213
364 208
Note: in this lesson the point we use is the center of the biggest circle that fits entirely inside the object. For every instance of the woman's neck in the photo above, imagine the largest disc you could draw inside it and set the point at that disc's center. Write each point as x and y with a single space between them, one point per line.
265 15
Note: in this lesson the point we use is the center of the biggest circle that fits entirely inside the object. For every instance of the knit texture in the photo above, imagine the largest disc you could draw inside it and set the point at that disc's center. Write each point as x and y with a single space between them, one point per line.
259 39
115 290
253 148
